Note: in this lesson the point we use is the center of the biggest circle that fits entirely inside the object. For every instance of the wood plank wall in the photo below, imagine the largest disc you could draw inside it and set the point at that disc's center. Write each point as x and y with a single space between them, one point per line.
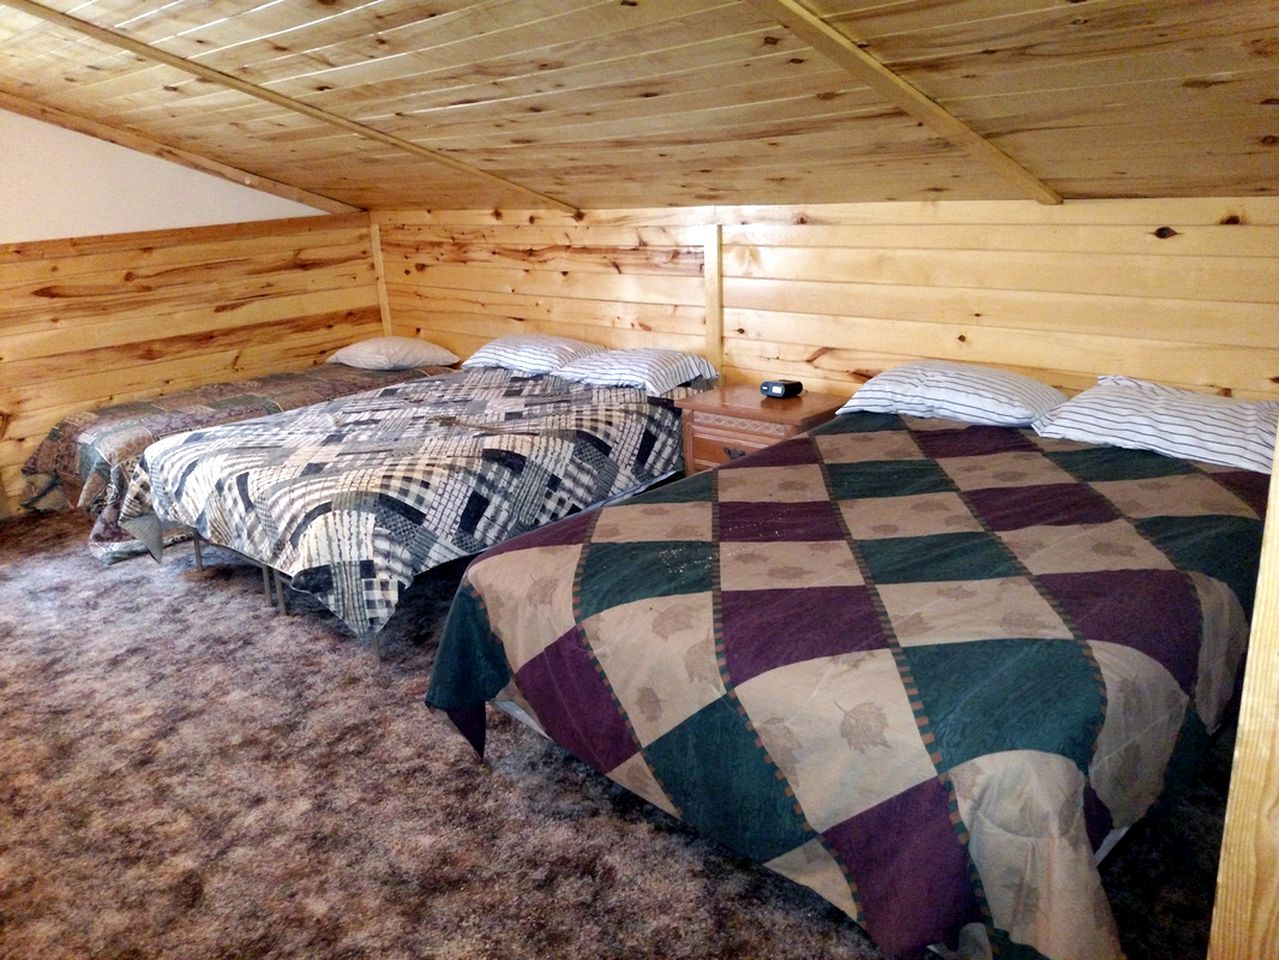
1245 920
1179 297
1182 291
462 279
96 320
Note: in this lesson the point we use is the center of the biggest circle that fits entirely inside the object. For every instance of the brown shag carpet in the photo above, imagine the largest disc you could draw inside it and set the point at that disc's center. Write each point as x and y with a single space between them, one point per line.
184 774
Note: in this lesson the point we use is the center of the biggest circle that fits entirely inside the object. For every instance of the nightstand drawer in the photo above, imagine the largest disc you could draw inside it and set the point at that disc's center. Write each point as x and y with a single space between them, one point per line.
729 422
712 448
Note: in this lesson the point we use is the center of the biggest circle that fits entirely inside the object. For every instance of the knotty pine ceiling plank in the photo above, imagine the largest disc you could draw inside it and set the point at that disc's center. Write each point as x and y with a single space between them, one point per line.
740 81
844 51
1075 32
471 36
102 35
692 43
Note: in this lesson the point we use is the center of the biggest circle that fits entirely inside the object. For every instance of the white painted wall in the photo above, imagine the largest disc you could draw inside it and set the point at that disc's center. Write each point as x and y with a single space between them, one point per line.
59 183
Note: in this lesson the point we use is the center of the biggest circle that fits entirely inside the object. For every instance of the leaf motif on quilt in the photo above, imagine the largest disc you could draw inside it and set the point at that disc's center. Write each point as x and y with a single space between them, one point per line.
863 726
751 558
674 620
886 529
783 744
1025 622
914 624
929 506
698 666
649 703
790 573
1131 692
957 592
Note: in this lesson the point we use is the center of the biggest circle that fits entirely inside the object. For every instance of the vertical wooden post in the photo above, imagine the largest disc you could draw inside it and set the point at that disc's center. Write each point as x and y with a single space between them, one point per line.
1245 923
383 302
713 273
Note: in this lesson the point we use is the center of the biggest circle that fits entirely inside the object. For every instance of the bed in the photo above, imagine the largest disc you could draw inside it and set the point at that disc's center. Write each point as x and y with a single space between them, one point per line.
925 668
354 498
87 458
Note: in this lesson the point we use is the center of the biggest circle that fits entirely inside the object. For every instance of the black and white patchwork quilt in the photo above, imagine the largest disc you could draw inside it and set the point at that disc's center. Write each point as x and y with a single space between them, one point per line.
354 497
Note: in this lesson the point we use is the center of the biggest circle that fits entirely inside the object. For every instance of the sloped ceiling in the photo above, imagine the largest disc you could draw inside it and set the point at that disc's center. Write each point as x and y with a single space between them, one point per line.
621 103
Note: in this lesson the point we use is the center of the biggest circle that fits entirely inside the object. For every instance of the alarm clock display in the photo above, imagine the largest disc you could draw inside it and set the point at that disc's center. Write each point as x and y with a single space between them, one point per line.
781 388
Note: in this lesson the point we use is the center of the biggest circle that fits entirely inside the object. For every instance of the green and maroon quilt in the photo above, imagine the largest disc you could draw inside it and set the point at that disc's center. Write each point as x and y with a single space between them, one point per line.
920 667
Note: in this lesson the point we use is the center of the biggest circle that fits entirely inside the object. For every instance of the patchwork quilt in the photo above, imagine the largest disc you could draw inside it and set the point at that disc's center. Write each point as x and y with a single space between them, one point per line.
355 497
920 667
87 459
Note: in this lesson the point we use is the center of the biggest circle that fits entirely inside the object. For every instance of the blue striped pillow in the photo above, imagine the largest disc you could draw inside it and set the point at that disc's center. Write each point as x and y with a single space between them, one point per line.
655 369
530 353
956 391
1140 415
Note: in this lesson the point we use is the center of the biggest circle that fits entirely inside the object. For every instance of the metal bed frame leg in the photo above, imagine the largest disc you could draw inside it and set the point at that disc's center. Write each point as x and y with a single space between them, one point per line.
280 603
272 586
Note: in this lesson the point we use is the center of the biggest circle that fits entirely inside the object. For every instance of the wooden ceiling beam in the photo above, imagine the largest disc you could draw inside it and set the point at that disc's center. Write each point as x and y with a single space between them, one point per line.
844 51
155 54
153 148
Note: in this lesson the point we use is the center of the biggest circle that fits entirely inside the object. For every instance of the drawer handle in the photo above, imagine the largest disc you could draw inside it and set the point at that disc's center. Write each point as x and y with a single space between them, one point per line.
734 453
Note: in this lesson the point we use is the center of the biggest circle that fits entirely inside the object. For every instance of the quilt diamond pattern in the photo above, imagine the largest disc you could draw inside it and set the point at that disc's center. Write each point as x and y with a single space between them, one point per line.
918 666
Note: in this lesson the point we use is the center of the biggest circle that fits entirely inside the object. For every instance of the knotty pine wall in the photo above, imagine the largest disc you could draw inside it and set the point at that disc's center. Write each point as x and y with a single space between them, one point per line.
96 320
462 279
1182 291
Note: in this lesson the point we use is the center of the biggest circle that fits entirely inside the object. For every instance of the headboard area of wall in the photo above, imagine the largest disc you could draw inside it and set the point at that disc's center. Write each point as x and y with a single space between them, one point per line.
1181 291
463 279
97 320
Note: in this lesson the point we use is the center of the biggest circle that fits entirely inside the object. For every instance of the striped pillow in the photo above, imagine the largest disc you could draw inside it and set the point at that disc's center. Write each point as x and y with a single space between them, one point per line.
1177 423
656 370
956 391
530 353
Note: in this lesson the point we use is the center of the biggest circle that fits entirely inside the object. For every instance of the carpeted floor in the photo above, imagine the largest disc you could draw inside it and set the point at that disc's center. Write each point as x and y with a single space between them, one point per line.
184 774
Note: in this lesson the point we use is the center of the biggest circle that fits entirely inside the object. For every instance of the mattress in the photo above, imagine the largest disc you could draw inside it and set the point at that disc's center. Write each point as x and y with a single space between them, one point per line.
921 667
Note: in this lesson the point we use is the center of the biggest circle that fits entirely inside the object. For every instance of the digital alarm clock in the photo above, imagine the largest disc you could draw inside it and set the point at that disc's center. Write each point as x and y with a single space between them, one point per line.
781 388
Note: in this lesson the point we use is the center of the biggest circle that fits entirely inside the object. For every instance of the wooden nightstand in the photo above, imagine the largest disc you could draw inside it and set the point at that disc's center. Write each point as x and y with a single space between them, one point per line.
724 424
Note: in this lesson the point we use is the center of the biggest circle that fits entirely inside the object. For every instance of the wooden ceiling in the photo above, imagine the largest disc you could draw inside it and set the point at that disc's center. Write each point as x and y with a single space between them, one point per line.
588 104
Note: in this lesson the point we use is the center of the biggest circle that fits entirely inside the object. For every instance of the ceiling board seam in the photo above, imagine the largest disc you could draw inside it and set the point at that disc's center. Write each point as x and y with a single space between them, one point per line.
843 50
103 35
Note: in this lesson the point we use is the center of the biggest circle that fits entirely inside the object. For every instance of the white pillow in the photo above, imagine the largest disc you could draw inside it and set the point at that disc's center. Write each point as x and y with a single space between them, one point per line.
655 369
956 391
393 353
1178 423
530 353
